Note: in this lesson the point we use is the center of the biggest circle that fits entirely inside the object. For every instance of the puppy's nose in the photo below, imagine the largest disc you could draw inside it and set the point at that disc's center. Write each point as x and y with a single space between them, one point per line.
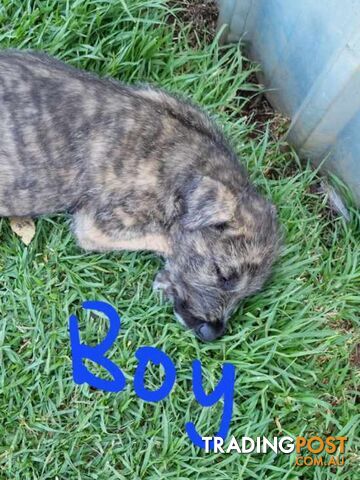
207 332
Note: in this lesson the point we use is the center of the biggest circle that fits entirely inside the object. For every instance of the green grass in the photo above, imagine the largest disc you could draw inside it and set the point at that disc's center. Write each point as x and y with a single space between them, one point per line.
291 344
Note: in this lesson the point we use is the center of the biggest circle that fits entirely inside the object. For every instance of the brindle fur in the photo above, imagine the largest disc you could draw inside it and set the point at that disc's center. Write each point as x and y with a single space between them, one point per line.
139 169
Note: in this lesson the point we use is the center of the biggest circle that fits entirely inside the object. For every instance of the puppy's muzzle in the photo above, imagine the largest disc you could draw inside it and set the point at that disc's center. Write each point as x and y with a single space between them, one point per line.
207 332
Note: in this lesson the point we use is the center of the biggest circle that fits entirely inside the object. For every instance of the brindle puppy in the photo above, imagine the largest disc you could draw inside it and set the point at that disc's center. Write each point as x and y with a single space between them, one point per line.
139 169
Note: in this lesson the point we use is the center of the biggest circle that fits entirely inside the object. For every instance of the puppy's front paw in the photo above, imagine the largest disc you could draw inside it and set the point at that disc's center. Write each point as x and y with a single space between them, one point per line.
162 283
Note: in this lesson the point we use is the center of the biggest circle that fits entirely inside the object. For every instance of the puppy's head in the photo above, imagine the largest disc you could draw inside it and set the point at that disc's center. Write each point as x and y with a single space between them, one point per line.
223 247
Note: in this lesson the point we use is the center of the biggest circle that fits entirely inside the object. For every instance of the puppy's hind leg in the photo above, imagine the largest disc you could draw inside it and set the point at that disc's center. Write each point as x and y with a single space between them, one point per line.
91 237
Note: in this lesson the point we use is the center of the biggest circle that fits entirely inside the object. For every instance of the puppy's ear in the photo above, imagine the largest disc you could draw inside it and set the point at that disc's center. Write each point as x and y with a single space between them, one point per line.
208 202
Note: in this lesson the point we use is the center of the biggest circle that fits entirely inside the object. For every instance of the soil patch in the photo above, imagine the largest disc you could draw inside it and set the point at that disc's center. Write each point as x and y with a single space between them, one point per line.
202 15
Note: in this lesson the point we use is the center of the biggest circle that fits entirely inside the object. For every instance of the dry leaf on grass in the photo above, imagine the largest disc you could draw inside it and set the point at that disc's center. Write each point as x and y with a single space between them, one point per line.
24 227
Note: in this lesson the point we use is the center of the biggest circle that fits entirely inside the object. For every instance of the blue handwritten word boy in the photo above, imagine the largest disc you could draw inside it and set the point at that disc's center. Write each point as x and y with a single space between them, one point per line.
81 374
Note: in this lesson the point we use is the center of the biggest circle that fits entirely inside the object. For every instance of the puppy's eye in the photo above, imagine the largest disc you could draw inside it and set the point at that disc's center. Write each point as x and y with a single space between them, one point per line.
226 281
220 227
